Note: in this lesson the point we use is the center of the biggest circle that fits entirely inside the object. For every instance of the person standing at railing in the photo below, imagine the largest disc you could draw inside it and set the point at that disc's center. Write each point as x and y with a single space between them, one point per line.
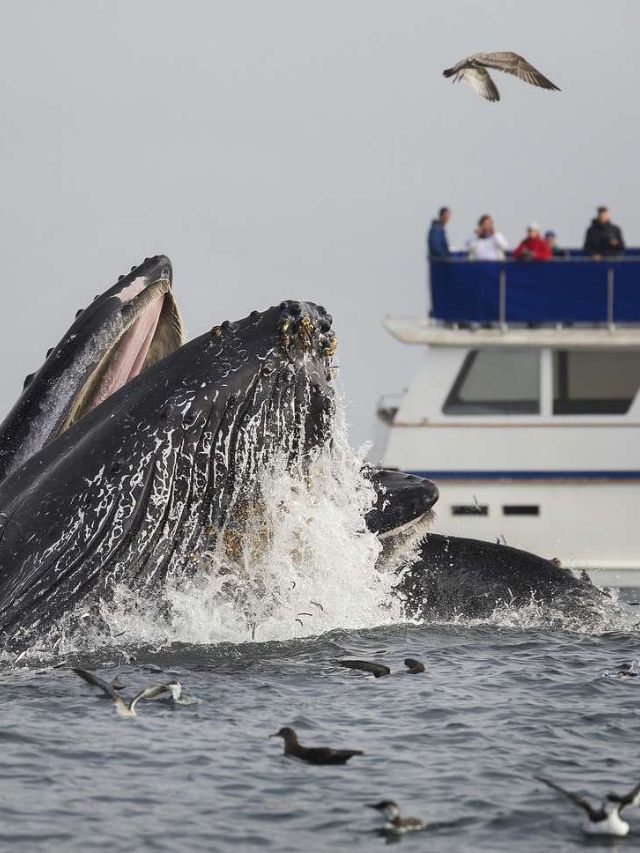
603 238
437 243
533 247
487 244
552 242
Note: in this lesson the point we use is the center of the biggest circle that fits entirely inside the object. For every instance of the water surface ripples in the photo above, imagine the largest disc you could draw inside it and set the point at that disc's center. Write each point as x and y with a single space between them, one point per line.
458 746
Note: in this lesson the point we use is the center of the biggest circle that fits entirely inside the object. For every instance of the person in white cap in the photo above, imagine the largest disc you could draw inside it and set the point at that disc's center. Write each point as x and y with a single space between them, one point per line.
533 247
487 244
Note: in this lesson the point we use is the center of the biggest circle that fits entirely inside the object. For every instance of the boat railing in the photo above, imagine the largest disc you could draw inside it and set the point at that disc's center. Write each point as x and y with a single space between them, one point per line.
564 290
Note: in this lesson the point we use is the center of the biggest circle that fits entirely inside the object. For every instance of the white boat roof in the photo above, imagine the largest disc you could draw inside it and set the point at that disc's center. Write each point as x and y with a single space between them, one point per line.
419 330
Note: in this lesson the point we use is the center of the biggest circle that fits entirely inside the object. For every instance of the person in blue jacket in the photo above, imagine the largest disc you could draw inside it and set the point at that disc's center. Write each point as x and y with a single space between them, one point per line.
437 243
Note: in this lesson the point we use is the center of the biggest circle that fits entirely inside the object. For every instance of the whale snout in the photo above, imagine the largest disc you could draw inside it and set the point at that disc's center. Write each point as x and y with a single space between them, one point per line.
402 500
304 326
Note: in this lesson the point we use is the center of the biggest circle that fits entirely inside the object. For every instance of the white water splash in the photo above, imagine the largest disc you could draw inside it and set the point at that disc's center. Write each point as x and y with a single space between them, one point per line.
306 565
601 617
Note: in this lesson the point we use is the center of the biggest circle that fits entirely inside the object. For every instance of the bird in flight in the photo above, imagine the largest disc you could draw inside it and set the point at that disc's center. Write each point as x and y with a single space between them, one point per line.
604 819
473 70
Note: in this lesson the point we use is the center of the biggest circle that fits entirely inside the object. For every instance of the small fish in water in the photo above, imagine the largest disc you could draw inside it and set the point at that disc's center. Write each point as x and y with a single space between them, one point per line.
313 754
396 824
603 819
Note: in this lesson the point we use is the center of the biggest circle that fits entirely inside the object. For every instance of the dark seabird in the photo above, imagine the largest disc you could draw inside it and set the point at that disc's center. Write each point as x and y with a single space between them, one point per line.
473 70
376 669
603 819
128 709
313 754
395 822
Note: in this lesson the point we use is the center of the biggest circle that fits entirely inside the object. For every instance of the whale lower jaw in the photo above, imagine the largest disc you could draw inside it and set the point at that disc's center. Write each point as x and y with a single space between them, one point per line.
401 541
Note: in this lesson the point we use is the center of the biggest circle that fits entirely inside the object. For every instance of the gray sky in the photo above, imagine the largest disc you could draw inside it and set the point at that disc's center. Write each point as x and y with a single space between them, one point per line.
294 149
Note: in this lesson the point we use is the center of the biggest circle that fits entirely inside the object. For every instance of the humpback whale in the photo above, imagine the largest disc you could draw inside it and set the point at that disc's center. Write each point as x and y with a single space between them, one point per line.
164 468
129 453
454 576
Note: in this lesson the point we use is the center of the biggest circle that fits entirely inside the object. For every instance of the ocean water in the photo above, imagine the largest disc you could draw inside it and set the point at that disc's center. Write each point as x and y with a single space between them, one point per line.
257 643
457 746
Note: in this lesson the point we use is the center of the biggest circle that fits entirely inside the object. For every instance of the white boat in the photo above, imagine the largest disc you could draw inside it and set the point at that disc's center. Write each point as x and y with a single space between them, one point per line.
526 412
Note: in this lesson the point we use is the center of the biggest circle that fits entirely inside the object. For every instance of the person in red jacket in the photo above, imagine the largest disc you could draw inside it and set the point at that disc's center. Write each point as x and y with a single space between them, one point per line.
533 247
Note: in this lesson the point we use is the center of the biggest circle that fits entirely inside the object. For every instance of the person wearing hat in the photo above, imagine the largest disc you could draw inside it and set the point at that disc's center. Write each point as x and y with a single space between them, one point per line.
533 247
550 238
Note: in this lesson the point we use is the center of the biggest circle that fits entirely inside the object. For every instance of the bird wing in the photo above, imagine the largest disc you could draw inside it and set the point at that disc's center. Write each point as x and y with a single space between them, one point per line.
513 63
480 81
151 692
630 799
594 814
92 678
377 669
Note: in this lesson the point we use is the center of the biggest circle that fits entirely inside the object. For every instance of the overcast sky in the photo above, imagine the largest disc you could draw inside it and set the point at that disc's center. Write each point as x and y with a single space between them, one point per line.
294 149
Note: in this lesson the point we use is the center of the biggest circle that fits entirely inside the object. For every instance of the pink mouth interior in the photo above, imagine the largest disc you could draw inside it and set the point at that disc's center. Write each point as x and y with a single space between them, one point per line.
131 352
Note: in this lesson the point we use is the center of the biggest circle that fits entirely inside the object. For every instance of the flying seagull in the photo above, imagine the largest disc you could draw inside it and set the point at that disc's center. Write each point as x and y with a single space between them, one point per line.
604 819
473 70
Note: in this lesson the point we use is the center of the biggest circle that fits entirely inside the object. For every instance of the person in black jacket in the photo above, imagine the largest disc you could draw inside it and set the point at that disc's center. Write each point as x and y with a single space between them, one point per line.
603 237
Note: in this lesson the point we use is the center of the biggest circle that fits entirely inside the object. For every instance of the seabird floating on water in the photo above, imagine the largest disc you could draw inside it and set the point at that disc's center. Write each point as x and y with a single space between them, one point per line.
395 822
473 70
128 709
313 754
378 670
604 819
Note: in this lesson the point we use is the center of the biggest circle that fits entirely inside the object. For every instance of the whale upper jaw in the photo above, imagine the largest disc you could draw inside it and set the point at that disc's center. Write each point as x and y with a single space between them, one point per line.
121 333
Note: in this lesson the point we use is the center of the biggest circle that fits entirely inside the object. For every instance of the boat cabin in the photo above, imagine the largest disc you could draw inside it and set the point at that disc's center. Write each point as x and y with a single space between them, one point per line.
525 407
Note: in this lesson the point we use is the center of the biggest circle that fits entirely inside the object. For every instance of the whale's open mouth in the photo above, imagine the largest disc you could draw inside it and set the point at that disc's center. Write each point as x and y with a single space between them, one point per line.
151 329
401 540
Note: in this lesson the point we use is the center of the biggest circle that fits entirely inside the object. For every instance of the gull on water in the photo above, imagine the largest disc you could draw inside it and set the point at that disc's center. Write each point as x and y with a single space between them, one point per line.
603 819
128 709
313 754
396 824
473 70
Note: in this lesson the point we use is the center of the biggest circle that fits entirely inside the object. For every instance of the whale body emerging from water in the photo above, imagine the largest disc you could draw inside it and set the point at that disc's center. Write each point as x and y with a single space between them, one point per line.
165 468
450 577
129 453
455 577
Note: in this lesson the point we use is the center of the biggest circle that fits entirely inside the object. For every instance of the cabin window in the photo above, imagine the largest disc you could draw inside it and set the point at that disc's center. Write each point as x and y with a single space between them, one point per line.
496 382
469 509
521 509
595 382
